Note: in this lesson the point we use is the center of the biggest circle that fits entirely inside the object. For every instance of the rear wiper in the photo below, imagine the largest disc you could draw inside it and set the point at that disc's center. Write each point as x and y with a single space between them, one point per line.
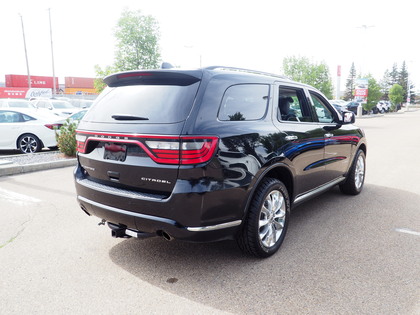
128 117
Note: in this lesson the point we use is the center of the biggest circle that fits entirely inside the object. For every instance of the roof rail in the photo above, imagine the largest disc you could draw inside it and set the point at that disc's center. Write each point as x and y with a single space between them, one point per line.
247 71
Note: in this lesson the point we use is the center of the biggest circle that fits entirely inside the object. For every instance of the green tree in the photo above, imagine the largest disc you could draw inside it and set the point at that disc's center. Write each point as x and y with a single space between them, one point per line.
349 94
374 93
137 38
396 95
137 41
302 70
99 83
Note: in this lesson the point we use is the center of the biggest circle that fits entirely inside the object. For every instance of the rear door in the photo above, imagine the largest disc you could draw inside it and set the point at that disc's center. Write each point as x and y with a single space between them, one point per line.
303 138
131 137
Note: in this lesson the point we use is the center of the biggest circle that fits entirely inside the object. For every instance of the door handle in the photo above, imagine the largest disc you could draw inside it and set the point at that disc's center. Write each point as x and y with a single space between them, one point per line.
291 138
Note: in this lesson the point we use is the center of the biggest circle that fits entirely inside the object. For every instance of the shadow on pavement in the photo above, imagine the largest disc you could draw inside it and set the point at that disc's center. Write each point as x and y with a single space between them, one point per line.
342 254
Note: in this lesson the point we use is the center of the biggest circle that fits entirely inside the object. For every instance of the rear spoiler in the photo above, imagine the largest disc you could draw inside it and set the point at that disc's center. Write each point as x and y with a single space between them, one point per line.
154 77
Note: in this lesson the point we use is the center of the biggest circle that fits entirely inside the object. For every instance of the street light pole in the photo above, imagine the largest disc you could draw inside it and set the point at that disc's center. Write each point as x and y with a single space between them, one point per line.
364 27
26 53
52 54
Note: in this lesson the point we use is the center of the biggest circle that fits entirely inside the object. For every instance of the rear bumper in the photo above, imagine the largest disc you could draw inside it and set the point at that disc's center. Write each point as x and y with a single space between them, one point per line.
181 216
157 225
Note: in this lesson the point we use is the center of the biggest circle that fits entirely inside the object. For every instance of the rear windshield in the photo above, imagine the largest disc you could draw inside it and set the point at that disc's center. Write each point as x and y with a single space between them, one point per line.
153 103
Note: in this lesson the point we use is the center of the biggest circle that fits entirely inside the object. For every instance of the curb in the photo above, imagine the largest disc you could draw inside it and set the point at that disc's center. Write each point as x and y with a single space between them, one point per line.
13 169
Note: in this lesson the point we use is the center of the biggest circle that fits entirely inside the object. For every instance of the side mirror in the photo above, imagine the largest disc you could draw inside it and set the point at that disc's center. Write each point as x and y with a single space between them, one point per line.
348 118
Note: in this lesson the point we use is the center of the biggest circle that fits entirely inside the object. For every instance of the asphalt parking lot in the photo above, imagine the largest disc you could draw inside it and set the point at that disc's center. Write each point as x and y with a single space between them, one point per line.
342 254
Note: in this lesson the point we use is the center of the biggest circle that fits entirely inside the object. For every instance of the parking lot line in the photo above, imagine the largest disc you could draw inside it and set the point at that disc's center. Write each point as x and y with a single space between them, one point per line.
16 198
408 231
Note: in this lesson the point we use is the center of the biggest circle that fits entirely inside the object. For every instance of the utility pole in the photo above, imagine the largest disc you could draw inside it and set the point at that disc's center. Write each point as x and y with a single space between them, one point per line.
26 53
52 54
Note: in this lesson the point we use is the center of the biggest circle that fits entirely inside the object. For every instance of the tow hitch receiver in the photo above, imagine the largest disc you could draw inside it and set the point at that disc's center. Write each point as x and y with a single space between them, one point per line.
121 231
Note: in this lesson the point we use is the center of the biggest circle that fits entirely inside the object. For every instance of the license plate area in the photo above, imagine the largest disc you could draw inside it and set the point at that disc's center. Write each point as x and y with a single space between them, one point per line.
115 152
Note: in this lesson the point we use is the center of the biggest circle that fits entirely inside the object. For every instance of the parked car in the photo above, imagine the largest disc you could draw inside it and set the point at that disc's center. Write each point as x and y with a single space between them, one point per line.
76 117
339 102
383 106
81 103
234 152
57 107
26 131
16 103
338 106
353 105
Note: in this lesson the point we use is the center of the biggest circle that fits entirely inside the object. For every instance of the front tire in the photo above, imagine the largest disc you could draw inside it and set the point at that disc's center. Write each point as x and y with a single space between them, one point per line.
353 185
266 223
29 143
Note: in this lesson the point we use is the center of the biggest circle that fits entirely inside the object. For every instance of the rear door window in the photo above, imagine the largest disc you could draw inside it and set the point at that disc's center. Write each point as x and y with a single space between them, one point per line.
292 105
153 103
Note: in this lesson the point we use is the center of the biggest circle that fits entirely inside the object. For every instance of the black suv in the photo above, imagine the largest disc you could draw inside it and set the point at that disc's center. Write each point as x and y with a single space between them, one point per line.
212 154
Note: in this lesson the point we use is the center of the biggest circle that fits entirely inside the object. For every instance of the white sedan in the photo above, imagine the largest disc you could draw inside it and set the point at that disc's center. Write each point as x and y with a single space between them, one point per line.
54 106
26 131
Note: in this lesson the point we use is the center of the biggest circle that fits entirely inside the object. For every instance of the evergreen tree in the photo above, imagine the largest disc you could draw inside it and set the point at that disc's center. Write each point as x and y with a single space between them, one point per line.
403 79
384 84
350 84
394 75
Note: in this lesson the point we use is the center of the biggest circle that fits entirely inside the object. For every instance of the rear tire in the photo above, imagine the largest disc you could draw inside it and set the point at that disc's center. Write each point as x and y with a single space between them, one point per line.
29 143
265 226
353 185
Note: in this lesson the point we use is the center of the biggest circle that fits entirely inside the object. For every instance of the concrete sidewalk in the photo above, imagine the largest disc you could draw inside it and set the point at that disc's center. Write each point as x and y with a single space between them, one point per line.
9 165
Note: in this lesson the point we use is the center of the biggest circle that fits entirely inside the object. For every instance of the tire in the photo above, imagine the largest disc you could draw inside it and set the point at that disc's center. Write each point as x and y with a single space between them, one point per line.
266 223
29 143
353 184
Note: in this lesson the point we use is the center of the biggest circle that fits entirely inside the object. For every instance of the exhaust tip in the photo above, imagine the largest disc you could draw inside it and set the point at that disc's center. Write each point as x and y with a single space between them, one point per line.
84 209
165 235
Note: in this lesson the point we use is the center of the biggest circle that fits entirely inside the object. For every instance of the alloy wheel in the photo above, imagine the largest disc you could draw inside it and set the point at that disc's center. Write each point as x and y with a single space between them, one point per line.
272 218
28 144
359 172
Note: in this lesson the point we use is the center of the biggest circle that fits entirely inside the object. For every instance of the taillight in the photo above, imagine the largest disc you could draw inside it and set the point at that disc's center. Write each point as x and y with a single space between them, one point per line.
184 150
133 74
80 143
53 126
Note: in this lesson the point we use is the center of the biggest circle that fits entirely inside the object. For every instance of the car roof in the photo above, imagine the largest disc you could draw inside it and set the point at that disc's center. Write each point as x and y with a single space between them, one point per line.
186 77
31 112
